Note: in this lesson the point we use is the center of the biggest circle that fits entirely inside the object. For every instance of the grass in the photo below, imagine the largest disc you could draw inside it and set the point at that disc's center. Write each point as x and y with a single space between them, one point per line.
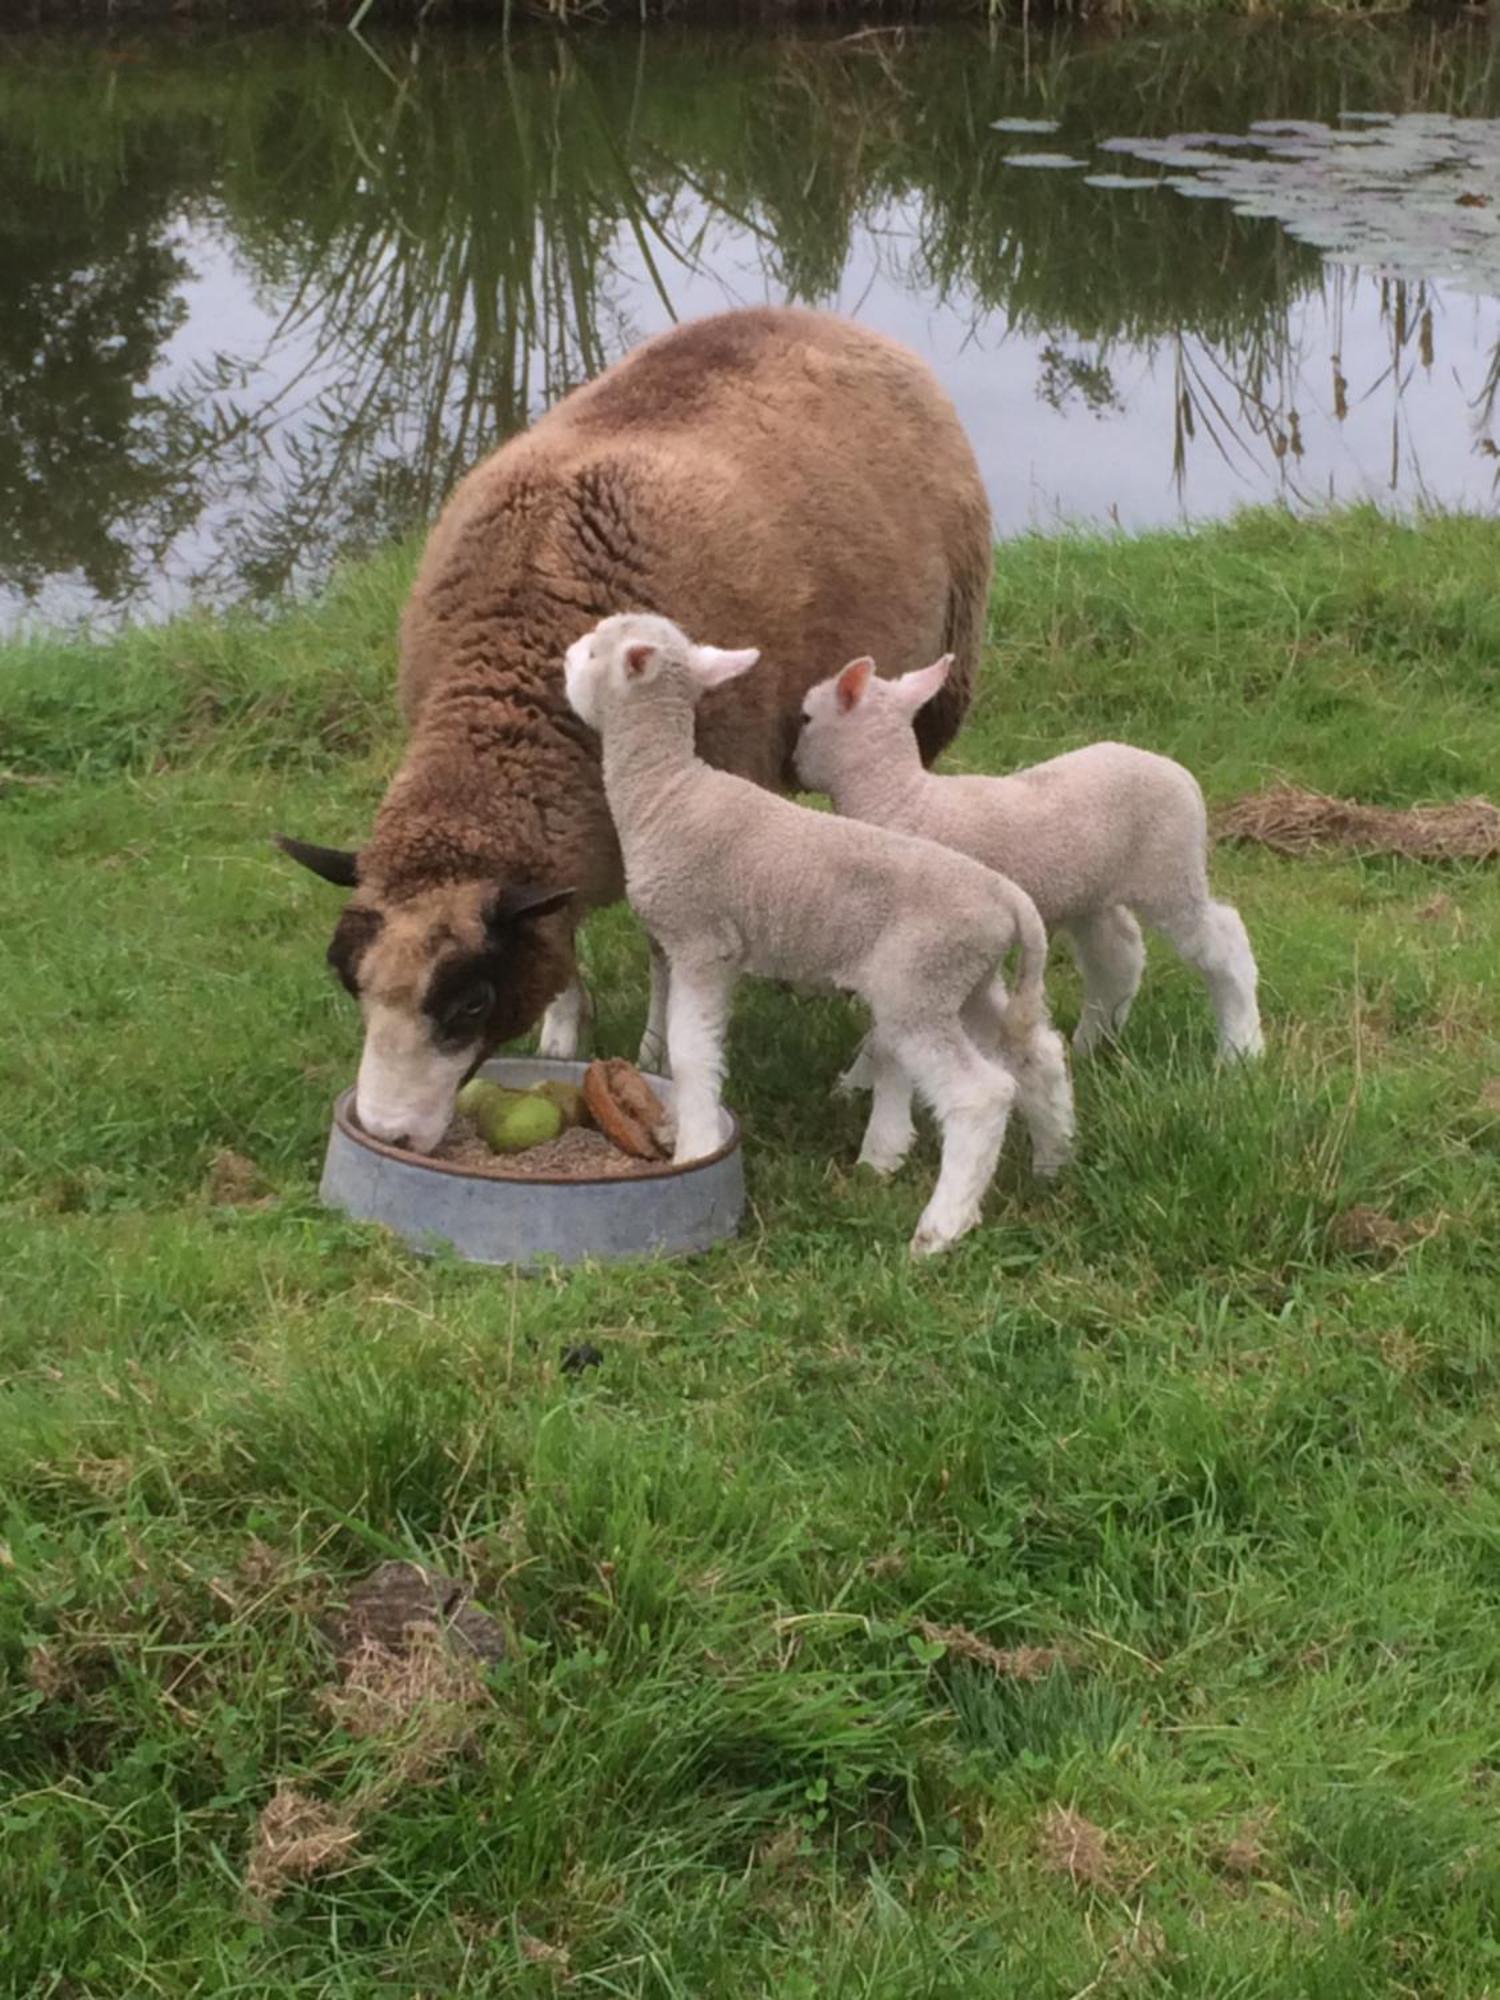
1229 1454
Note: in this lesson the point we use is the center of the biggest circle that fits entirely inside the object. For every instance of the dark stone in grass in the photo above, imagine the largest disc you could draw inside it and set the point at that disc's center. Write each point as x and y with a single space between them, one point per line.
395 1596
582 1354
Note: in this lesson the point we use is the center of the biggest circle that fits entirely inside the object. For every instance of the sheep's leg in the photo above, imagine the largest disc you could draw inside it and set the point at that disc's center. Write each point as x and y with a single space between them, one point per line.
567 1023
1211 937
1044 1090
889 1134
1111 959
653 1050
972 1098
698 998
860 1075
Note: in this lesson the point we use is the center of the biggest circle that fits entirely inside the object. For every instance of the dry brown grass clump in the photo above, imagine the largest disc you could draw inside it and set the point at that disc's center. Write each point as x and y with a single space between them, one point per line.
1073 1846
295 1838
1016 1663
1363 1231
232 1181
422 1701
1292 821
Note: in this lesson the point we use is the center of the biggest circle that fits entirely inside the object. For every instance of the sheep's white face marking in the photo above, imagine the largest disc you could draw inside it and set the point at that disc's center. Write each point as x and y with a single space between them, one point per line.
406 1086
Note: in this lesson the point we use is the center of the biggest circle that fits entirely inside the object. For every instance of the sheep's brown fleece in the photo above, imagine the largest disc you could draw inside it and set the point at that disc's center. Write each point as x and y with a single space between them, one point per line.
771 478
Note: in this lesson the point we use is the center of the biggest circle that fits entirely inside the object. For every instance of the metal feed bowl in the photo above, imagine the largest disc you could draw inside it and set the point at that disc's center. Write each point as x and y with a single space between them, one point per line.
664 1211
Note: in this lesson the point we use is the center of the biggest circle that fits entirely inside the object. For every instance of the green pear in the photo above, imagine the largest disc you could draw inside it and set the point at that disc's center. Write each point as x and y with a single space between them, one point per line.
569 1100
512 1121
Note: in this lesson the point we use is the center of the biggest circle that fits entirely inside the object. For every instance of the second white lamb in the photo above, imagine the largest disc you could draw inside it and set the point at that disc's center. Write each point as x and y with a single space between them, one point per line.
729 878
1098 838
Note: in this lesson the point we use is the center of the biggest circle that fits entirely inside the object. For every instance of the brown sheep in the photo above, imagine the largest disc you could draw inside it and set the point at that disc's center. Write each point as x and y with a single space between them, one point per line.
776 478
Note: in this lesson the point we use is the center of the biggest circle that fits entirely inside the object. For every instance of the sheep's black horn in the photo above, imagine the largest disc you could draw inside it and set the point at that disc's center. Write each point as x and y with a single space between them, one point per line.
527 900
335 864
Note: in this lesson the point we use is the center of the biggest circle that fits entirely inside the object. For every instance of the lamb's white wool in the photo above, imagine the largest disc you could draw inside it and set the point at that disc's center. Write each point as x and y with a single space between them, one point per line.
566 1023
1097 838
729 878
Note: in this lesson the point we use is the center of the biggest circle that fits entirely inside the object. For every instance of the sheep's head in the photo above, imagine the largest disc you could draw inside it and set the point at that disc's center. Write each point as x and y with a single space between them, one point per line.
443 977
855 717
635 650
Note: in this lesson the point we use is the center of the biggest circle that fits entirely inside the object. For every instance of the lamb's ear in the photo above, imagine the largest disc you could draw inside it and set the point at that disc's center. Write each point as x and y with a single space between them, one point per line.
524 902
916 690
712 665
849 688
638 657
338 865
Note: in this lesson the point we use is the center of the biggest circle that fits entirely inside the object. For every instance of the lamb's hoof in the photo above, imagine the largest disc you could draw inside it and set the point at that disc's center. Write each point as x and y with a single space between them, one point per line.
693 1146
1250 1048
652 1055
932 1237
884 1164
560 1044
1047 1166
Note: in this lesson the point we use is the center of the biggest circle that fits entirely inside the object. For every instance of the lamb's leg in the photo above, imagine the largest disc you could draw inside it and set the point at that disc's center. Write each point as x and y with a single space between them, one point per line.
860 1075
972 1098
889 1134
1212 938
567 1023
698 998
1111 959
1044 1090
653 1050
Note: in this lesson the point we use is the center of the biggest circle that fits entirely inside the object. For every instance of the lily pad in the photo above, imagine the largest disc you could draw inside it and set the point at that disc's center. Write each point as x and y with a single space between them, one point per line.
1122 181
1023 124
1042 160
1416 196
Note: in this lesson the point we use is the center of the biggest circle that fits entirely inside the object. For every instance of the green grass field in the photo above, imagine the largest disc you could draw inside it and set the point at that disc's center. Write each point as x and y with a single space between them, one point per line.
1228 1455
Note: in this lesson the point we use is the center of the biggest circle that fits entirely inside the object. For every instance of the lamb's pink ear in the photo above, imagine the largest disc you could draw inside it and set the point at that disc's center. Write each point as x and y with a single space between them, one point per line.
849 688
917 689
712 665
638 657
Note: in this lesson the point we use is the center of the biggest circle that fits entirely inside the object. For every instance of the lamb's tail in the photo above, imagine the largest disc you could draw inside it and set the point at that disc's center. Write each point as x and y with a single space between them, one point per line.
1027 1008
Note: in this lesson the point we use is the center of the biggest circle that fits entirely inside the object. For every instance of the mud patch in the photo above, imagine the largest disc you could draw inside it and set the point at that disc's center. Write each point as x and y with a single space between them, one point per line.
398 1599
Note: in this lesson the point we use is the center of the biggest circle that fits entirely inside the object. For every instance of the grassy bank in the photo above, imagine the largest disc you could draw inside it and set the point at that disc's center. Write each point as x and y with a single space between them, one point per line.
1196 1423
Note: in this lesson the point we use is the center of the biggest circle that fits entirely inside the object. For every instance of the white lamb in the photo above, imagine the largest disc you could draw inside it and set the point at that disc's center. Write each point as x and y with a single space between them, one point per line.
729 878
1097 838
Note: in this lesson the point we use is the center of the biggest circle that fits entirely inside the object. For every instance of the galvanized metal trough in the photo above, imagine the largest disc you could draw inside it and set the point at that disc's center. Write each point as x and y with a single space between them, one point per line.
664 1211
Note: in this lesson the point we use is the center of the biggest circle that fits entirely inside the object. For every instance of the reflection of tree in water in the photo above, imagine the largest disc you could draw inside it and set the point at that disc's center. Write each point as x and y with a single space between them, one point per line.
1076 378
95 473
444 238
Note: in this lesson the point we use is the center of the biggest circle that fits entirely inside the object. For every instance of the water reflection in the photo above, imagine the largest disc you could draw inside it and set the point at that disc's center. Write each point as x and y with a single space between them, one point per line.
265 303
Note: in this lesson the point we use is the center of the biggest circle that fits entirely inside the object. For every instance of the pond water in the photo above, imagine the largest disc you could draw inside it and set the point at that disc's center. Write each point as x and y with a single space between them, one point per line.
265 299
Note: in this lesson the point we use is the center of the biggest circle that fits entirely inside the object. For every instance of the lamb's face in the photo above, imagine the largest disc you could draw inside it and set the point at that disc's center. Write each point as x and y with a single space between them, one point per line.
621 654
831 722
626 655
443 979
854 719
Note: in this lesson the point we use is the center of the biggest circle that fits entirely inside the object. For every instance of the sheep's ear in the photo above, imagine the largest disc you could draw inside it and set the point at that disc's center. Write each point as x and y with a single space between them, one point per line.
712 665
849 688
524 902
338 865
917 689
638 657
